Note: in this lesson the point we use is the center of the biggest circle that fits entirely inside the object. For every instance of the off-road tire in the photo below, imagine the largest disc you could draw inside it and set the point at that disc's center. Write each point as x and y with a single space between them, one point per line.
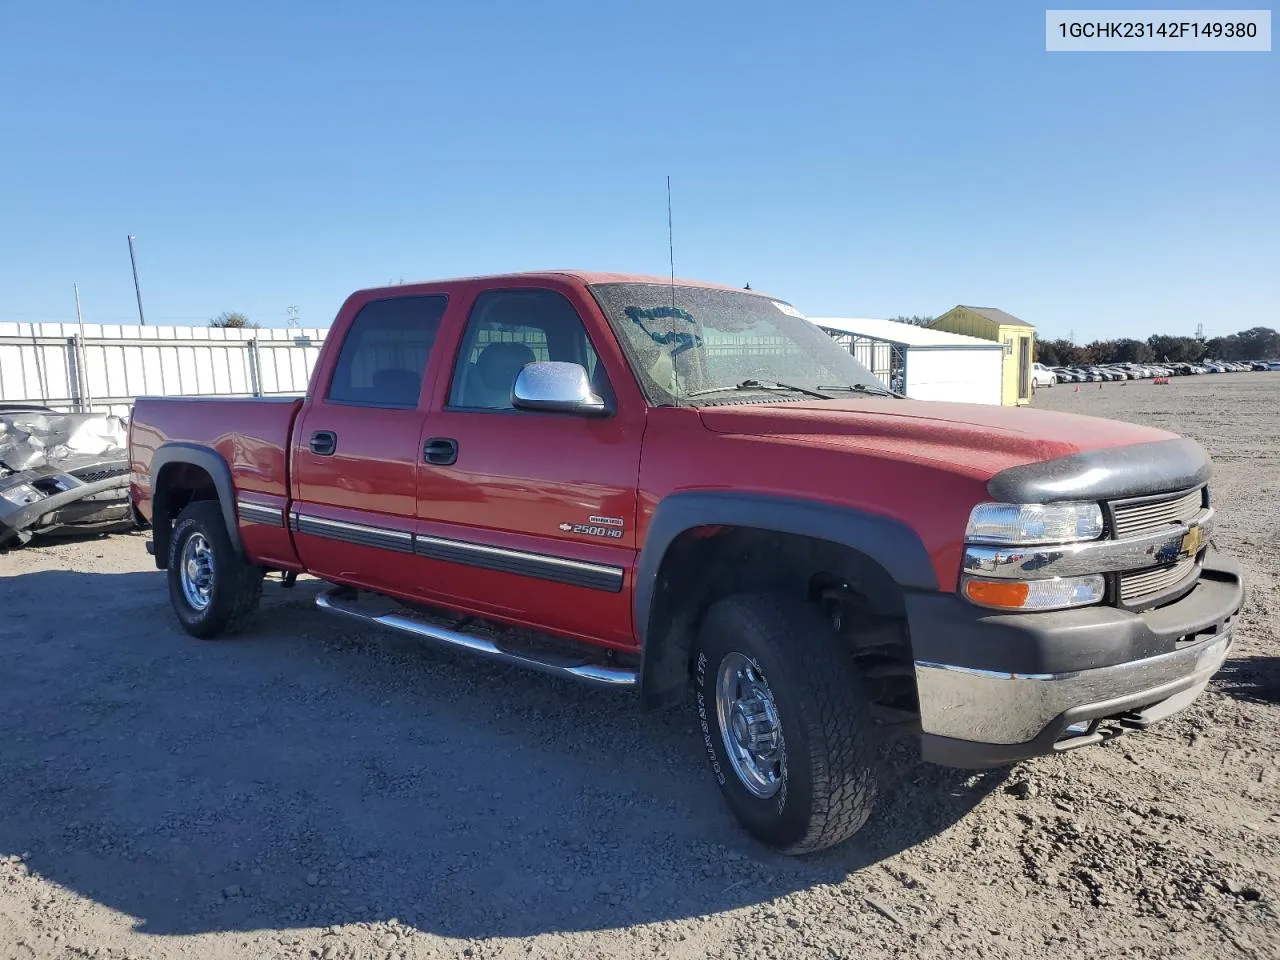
829 785
237 585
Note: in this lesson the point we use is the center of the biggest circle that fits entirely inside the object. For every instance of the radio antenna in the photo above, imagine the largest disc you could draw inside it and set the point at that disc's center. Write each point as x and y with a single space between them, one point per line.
671 258
671 250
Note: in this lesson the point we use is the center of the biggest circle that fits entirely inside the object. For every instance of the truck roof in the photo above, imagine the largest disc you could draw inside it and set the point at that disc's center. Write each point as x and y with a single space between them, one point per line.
582 276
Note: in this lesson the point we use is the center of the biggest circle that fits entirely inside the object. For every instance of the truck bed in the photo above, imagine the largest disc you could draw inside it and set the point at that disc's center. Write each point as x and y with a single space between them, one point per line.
251 435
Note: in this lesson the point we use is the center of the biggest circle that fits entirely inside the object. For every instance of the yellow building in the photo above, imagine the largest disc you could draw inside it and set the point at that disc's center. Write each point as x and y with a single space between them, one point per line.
1016 336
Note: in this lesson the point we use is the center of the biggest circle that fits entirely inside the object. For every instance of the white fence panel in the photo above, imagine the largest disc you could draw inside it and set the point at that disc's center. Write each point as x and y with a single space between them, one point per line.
49 363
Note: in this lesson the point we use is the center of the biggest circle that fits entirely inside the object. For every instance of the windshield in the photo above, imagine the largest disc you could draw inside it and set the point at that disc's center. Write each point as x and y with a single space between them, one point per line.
721 339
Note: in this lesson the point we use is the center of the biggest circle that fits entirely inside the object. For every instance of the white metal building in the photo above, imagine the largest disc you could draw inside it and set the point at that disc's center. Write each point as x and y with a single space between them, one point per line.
924 364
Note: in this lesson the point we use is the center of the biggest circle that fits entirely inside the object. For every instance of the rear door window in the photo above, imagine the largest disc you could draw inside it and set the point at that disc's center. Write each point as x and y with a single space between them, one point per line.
385 354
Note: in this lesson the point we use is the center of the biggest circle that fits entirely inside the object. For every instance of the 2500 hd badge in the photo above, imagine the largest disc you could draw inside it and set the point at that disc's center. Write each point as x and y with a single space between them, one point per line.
610 527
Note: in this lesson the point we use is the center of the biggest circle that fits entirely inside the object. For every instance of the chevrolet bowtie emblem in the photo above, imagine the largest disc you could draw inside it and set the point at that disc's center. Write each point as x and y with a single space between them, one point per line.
1191 540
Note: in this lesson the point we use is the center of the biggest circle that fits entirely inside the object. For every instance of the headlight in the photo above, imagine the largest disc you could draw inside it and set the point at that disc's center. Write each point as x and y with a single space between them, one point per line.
1025 524
21 494
1056 594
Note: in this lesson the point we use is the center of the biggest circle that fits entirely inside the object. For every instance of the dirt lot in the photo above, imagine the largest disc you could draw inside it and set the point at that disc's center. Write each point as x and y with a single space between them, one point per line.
306 790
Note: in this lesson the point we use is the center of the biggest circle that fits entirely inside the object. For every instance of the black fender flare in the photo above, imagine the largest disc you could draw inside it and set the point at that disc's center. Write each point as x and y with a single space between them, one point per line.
892 544
212 463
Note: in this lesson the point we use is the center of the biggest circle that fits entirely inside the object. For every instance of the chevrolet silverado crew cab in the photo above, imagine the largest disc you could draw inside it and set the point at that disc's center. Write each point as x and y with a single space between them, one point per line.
663 486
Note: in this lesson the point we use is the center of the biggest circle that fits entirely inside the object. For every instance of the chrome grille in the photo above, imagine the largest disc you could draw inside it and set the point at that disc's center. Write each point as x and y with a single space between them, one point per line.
1147 583
1131 519
94 474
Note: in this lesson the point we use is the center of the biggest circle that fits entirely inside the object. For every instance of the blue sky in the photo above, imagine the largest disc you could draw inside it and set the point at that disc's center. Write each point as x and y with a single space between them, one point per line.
858 161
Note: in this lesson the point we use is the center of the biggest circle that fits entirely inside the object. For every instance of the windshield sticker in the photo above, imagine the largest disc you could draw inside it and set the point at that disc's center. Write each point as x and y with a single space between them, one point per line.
645 319
788 309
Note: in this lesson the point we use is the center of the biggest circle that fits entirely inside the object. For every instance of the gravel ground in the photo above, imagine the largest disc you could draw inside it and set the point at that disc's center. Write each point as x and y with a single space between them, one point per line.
310 791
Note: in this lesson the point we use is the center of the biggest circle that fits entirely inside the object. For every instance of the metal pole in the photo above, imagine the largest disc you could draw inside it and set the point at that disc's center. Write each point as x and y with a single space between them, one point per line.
37 351
82 357
255 367
136 289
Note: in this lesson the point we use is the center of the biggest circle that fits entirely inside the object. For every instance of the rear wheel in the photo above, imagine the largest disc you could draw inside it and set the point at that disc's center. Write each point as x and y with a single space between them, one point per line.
785 722
212 589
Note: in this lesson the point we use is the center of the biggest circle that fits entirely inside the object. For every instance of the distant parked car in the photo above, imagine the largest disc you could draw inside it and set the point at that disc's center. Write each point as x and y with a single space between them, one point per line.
1064 375
1258 365
1042 376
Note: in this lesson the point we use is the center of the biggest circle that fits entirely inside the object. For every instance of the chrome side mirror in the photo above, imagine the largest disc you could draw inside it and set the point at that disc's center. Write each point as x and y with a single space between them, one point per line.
556 386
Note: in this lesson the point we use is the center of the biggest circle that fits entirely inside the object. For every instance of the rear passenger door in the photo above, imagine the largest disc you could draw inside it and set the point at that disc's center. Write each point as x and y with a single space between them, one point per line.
356 449
530 516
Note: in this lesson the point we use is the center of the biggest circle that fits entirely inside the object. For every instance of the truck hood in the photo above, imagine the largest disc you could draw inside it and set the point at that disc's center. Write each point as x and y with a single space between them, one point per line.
1061 454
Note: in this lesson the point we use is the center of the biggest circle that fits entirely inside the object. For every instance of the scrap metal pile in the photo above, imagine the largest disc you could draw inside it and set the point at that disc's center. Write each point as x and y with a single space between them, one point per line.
62 474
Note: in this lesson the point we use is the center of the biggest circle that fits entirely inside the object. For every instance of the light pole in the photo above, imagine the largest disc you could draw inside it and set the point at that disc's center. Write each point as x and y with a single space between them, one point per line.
136 289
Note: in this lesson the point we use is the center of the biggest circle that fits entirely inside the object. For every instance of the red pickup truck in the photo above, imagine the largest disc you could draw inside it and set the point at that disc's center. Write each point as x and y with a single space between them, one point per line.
656 485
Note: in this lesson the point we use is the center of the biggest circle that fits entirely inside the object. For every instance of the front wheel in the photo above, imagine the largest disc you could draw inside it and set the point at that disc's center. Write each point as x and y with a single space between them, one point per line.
784 721
212 589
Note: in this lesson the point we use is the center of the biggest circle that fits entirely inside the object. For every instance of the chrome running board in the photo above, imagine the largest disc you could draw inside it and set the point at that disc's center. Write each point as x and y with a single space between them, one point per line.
593 673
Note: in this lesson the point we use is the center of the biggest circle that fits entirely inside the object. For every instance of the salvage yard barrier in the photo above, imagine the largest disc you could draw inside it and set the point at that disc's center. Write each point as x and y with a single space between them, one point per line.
105 367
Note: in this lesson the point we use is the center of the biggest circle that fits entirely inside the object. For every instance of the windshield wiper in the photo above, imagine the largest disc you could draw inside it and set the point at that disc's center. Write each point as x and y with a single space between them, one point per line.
869 390
761 385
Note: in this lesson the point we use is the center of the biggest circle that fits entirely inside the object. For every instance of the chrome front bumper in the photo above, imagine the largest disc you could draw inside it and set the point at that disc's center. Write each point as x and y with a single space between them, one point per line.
994 689
1012 708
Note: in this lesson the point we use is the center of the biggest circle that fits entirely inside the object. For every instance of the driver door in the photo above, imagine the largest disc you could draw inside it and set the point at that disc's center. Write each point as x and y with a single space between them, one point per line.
531 515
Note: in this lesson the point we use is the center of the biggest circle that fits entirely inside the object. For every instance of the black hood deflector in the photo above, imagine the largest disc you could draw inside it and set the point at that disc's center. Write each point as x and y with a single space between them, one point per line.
1107 473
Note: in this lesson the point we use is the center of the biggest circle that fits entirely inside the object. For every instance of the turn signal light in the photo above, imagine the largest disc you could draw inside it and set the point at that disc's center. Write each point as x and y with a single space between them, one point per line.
991 593
1056 594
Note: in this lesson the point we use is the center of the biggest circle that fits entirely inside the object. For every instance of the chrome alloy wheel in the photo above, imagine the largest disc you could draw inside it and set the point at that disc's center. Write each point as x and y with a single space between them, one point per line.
749 726
196 571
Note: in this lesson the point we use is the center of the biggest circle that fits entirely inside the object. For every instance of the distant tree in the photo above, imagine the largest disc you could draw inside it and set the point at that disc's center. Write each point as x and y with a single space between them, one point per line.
1130 351
1169 349
233 320
1058 353
1099 351
1221 348
913 320
1256 343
